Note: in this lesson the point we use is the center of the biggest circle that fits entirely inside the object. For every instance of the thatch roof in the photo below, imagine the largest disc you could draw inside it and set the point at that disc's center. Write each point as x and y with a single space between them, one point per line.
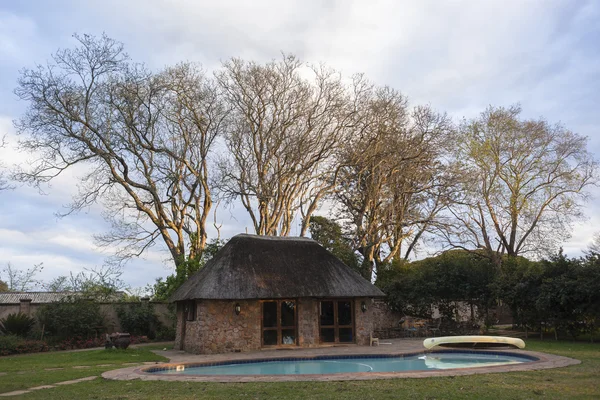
264 267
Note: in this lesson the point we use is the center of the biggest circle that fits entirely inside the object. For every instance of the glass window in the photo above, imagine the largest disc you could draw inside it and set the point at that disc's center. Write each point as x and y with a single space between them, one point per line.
279 322
344 313
288 336
327 316
328 335
336 321
346 335
287 313
189 310
270 314
270 337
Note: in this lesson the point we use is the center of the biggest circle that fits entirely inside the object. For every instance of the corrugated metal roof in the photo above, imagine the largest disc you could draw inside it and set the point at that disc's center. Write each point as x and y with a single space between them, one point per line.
40 297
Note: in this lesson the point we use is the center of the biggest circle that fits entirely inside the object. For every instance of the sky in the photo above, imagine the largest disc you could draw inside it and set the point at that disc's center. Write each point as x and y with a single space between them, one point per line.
458 56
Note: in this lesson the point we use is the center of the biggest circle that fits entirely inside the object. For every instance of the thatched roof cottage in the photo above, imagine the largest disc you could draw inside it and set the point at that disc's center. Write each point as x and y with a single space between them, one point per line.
259 292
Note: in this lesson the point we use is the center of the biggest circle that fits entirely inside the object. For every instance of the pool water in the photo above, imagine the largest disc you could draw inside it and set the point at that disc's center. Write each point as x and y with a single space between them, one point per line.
338 365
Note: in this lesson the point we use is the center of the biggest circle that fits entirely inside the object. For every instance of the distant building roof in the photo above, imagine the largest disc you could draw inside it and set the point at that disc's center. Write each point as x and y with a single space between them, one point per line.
262 267
41 297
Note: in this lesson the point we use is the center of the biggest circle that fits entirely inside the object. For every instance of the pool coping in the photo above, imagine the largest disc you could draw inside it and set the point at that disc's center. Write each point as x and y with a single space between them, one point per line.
543 361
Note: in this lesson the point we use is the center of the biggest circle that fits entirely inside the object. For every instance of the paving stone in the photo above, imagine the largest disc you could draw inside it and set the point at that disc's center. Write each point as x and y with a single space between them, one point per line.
2 373
42 387
87 378
15 393
52 369
81 366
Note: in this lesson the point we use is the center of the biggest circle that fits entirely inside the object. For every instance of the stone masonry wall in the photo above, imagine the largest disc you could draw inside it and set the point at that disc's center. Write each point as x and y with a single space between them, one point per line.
383 317
308 322
363 324
218 329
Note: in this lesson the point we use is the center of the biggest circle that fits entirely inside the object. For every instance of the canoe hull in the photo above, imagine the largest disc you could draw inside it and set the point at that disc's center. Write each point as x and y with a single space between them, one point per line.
474 341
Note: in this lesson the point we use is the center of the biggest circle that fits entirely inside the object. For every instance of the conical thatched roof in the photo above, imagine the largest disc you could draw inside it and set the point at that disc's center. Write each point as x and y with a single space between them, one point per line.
264 267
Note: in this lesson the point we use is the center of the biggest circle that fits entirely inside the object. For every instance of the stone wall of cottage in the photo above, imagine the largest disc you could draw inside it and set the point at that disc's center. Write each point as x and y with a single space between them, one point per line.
308 322
363 325
217 329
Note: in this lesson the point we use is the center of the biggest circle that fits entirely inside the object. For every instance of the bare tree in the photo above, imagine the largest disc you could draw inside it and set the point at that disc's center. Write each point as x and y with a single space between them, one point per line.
594 247
283 132
100 283
4 185
391 184
17 280
143 137
524 182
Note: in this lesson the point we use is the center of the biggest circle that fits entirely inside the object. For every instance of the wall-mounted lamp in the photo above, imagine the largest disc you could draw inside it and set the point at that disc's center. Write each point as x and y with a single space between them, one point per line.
363 306
238 309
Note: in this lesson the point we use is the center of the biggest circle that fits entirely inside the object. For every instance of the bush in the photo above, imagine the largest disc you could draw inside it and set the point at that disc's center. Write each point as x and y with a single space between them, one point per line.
139 319
165 333
17 324
12 344
80 343
71 318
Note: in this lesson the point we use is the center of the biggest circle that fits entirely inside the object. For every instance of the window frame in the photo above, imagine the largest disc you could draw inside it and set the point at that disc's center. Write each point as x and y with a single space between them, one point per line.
336 326
279 328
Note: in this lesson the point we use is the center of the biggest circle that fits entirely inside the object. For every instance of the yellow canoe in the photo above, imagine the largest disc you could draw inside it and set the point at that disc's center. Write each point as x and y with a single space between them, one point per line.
473 341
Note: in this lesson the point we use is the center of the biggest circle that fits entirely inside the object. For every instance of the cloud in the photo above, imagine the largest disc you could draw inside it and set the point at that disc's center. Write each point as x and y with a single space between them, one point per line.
459 56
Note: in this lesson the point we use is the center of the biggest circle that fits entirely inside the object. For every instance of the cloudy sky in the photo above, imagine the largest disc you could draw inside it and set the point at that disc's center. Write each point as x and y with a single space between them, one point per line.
458 56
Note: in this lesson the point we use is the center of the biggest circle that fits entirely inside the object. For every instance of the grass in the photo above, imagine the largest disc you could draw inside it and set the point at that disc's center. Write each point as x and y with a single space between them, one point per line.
575 382
31 370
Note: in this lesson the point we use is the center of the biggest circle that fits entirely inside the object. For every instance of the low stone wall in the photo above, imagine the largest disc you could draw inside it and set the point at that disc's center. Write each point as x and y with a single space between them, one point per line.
383 317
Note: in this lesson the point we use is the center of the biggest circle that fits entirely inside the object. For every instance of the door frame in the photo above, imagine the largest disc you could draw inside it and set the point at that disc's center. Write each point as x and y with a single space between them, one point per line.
336 327
279 328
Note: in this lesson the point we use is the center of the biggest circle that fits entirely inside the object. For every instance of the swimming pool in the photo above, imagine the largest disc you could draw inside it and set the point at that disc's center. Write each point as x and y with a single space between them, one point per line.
346 364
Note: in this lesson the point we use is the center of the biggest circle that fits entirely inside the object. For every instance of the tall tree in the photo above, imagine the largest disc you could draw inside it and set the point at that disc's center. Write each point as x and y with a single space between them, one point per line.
17 280
328 234
525 181
391 175
282 134
143 137
3 181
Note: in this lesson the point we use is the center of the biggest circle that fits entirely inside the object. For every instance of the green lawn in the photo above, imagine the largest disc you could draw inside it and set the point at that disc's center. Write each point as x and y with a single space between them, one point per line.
26 371
575 382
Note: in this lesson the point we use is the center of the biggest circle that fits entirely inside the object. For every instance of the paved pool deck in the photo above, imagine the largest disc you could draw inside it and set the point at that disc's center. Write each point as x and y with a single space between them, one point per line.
390 346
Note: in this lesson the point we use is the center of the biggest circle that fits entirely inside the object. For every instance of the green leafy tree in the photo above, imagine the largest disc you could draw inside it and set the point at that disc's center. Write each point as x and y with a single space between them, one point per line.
328 234
71 317
163 289
139 319
454 276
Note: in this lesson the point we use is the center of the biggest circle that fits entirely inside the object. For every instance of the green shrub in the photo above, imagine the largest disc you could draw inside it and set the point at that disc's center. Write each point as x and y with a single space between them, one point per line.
139 319
17 324
165 333
71 318
12 344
